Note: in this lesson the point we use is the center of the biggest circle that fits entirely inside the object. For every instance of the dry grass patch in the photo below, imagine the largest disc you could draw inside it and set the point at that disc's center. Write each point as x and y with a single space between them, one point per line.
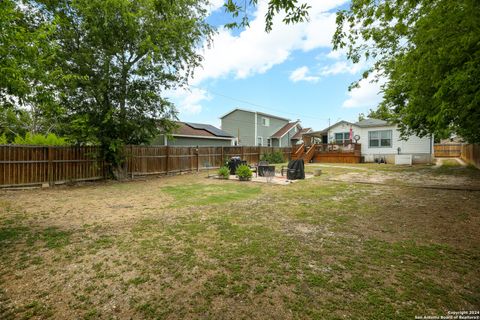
190 247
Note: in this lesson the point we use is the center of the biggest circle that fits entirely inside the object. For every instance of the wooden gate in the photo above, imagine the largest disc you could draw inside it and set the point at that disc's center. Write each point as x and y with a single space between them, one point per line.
452 150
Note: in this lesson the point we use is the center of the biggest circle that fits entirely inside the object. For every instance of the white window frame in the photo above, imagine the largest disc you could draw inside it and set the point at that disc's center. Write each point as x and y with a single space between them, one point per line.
386 135
260 139
265 122
346 137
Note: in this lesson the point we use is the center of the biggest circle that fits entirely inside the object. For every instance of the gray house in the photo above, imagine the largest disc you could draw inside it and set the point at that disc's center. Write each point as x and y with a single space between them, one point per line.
253 128
196 134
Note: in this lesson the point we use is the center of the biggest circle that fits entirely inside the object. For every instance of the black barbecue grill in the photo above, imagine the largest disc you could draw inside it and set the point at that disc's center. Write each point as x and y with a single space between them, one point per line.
295 170
233 164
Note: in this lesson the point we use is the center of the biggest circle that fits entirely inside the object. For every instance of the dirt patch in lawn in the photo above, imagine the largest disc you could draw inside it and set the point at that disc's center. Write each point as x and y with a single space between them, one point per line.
192 247
448 176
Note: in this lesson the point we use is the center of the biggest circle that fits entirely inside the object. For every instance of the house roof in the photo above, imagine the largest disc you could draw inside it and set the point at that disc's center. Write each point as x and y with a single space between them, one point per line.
333 125
371 123
262 113
200 129
365 123
300 133
283 130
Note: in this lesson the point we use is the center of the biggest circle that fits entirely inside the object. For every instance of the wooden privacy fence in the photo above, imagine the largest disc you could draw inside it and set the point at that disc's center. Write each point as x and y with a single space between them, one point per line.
447 150
35 165
145 160
471 154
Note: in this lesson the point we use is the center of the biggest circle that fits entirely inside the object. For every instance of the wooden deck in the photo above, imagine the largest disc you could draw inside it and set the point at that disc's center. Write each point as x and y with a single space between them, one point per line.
337 153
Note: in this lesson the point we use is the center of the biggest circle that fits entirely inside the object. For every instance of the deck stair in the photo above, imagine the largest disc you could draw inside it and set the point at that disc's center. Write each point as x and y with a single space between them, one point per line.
298 154
307 156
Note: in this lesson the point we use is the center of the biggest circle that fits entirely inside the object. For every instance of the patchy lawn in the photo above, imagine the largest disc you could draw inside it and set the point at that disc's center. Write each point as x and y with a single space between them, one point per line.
191 247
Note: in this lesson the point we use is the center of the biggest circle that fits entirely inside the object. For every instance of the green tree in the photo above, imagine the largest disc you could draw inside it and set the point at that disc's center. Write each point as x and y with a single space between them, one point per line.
26 73
117 58
293 11
430 53
380 113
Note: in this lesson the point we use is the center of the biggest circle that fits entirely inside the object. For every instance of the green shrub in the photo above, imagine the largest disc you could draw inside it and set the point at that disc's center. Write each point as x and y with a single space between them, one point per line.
40 140
224 172
3 139
243 172
274 157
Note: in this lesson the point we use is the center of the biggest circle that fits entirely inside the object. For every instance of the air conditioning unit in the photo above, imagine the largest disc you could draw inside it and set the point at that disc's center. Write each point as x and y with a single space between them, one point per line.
403 159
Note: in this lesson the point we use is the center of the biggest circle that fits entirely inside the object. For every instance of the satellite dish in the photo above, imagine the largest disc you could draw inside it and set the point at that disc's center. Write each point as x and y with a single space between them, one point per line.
356 138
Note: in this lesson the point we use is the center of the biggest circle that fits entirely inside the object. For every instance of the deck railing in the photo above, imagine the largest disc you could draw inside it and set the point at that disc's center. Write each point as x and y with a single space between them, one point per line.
353 148
298 153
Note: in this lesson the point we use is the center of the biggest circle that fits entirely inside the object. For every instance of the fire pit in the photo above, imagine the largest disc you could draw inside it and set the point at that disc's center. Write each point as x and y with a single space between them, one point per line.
266 170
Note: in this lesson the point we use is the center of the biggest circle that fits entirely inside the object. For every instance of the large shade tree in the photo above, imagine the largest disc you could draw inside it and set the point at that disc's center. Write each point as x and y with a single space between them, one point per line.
292 11
111 63
26 70
430 53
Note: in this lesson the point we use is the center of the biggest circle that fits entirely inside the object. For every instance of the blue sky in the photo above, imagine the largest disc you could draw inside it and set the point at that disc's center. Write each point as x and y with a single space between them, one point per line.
291 72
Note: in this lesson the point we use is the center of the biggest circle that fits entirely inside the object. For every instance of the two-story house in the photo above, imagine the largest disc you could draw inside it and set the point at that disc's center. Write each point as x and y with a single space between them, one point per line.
253 128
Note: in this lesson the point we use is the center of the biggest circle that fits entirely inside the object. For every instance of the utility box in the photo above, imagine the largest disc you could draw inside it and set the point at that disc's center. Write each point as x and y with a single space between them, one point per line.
403 159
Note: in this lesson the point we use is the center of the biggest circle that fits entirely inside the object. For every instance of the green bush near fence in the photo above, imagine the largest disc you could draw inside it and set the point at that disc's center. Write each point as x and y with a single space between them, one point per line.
50 139
274 157
3 139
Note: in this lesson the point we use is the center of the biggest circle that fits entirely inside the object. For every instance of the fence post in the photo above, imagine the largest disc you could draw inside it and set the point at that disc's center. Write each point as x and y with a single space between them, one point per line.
168 155
131 162
221 160
197 150
51 182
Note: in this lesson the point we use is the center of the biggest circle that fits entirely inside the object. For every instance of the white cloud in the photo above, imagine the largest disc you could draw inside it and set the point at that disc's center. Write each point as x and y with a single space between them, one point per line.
254 51
188 100
300 74
335 54
342 67
214 5
367 95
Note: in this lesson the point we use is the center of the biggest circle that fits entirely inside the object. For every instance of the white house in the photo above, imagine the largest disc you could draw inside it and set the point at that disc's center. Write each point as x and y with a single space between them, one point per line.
380 140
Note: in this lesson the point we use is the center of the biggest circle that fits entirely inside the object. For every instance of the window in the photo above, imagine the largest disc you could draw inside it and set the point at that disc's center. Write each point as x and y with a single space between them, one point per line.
342 137
269 142
380 139
260 141
265 122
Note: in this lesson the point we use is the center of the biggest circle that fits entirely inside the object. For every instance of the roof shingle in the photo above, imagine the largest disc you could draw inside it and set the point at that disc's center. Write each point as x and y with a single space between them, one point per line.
300 133
198 129
283 130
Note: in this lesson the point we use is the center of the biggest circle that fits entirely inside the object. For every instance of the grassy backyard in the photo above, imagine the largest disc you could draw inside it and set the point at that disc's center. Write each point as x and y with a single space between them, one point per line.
192 247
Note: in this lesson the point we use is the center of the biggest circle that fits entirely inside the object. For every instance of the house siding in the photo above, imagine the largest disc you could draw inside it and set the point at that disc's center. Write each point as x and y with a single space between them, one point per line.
286 139
243 122
420 148
192 142
266 132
